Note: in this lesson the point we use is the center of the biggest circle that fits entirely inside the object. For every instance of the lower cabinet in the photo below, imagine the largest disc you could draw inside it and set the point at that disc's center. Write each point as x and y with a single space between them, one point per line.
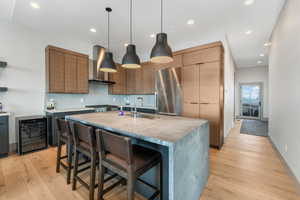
4 136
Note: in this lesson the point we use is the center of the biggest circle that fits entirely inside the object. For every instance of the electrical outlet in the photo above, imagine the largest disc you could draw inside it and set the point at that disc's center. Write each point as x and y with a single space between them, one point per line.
114 99
286 148
82 100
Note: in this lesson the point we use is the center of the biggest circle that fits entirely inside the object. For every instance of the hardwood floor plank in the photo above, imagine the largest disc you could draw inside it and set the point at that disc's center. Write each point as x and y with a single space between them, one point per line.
247 168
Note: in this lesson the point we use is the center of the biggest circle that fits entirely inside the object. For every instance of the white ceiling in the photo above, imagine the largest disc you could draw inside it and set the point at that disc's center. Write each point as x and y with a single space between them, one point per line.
213 20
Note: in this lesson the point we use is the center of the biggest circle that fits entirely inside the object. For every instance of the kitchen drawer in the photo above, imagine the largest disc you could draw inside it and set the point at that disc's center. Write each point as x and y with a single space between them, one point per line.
4 136
202 56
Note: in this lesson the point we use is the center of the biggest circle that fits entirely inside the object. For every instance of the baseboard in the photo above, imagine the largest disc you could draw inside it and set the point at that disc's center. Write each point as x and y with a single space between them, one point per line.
289 170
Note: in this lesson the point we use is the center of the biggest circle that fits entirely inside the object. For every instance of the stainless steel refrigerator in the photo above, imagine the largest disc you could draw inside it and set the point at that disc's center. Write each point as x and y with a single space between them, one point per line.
168 91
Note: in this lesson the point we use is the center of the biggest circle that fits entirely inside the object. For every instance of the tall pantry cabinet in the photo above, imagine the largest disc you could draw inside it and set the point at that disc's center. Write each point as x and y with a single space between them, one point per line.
203 87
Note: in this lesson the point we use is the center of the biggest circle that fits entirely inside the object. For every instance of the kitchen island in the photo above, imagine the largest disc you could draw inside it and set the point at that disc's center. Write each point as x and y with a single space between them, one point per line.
183 143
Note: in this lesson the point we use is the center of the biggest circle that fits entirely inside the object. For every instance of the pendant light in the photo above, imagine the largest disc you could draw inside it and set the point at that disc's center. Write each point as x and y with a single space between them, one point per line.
131 60
161 52
108 64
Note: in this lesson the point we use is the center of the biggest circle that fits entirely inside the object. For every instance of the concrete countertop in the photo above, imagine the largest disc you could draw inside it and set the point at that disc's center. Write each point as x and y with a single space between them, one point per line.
68 110
4 114
159 129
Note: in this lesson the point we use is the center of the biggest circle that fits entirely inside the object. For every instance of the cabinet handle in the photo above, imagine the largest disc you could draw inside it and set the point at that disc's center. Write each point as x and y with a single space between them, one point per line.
204 103
194 103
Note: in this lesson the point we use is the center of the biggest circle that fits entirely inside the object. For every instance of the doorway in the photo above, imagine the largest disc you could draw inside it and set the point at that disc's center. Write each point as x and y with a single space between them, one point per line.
251 100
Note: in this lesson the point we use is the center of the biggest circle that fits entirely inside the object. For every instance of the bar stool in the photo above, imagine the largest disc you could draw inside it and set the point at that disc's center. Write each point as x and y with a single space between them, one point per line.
84 143
117 154
64 137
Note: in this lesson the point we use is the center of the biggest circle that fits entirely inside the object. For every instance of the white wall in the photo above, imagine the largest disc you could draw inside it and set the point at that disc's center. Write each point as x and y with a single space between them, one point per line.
252 75
229 70
284 76
24 50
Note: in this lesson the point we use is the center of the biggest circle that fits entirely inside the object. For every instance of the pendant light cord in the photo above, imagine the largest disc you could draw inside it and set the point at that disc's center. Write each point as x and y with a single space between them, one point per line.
108 22
130 21
161 16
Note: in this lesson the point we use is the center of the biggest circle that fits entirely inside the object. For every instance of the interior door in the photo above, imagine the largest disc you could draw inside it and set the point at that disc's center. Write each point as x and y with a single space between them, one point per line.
250 100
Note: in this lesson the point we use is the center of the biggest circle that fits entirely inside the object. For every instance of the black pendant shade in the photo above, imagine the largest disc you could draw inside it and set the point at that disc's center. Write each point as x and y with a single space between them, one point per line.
161 52
108 64
131 60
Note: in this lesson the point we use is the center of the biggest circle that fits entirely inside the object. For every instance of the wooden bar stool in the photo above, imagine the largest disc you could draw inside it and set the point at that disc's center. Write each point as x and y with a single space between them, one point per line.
64 137
84 143
117 154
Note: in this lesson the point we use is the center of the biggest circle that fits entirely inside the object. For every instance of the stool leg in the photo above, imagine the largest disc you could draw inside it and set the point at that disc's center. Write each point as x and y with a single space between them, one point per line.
100 182
75 169
130 186
161 180
92 176
69 153
58 155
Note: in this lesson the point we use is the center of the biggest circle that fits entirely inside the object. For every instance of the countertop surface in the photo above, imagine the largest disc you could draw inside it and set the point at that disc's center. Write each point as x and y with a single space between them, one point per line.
160 129
68 110
4 114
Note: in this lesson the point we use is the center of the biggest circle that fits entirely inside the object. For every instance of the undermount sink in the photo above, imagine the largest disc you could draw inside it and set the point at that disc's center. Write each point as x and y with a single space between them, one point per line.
140 115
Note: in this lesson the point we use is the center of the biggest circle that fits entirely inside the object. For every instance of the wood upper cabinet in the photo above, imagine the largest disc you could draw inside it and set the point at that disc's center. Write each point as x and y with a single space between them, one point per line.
70 73
148 75
82 75
120 81
56 73
131 81
203 56
66 71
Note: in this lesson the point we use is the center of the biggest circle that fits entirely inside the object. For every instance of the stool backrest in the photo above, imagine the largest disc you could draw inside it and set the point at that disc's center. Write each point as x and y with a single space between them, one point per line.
84 135
114 144
63 127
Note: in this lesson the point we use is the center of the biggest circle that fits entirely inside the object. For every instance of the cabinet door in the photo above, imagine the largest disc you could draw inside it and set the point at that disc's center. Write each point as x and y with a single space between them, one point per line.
190 84
139 84
203 56
148 79
130 81
82 75
211 112
210 82
190 110
120 78
56 71
4 136
70 73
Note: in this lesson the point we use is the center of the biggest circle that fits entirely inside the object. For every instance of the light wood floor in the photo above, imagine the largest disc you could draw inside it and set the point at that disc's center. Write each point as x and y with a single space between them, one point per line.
246 168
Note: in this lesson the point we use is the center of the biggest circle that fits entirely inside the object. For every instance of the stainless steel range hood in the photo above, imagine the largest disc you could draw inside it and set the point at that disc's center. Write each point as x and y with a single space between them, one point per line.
95 74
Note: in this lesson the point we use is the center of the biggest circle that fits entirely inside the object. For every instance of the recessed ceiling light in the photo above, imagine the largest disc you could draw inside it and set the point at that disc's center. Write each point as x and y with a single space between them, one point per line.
262 55
190 22
259 62
152 35
249 32
34 5
249 2
267 44
93 30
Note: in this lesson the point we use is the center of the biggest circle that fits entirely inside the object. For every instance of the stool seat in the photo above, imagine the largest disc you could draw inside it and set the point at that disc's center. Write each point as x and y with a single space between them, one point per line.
142 158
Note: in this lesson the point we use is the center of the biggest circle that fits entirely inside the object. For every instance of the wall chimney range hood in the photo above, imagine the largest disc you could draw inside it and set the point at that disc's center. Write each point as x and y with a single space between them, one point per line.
95 75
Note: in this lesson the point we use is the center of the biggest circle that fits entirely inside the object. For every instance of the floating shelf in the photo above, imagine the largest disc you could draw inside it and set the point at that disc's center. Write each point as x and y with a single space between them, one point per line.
3 89
3 64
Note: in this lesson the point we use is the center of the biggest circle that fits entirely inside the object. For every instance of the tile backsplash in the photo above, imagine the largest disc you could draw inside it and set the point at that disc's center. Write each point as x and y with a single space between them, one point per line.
98 95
